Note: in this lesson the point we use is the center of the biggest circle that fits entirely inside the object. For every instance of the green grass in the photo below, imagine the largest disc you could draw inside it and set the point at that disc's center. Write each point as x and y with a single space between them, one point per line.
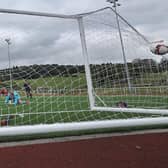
56 82
73 108
56 109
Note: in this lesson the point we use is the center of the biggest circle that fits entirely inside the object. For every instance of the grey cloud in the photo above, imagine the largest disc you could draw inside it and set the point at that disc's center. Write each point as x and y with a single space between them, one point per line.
43 40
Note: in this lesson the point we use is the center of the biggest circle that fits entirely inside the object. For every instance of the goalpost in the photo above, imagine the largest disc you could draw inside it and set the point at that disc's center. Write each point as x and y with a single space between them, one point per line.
78 76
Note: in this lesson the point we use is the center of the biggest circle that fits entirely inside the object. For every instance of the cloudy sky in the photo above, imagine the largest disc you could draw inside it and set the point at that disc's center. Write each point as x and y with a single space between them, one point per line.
37 40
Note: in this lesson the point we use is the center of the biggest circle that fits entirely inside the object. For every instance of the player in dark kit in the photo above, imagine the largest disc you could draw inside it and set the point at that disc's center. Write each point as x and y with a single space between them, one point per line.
28 89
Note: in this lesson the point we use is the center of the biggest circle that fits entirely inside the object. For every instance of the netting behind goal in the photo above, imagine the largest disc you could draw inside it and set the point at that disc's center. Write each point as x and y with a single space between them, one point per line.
137 79
72 69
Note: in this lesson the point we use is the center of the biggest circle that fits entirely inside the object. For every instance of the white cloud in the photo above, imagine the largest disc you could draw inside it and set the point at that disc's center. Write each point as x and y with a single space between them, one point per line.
39 40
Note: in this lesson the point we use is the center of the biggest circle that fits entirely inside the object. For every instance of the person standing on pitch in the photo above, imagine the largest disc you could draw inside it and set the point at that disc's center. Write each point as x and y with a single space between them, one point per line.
27 88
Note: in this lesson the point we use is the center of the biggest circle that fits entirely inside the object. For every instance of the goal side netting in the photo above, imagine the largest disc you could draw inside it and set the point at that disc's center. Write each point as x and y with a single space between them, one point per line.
77 72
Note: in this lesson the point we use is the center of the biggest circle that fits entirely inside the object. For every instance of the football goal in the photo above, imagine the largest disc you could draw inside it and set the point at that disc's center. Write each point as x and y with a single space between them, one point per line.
77 72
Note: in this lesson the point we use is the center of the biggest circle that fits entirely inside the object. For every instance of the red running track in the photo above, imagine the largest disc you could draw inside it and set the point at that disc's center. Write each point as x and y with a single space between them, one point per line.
131 151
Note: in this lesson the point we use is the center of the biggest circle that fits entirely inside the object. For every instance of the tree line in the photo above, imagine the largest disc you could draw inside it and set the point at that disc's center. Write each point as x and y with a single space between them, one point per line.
101 73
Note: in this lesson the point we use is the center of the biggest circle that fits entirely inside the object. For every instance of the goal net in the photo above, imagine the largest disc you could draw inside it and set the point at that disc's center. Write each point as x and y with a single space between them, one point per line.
86 70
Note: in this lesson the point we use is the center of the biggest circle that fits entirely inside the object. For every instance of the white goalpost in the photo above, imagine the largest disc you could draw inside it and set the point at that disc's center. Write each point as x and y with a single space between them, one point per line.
70 74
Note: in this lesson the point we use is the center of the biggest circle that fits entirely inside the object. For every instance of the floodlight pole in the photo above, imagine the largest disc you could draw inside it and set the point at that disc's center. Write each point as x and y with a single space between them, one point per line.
115 4
9 59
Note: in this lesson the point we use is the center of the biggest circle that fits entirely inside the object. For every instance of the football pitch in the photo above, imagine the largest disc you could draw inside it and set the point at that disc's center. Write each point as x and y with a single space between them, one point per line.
73 108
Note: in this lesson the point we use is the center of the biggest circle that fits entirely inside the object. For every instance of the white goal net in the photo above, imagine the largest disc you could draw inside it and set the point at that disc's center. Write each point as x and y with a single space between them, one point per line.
58 69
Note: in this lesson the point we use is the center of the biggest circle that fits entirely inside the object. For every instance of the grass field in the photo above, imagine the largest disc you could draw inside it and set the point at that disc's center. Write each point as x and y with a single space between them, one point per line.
68 101
54 109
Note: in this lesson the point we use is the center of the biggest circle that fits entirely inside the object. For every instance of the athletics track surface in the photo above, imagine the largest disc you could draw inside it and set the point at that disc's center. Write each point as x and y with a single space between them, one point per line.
128 151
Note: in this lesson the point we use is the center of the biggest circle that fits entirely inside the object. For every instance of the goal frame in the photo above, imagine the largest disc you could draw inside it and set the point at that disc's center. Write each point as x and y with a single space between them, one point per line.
22 130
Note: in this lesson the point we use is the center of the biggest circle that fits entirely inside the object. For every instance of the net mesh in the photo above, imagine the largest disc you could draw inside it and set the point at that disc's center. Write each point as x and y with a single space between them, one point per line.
147 76
48 73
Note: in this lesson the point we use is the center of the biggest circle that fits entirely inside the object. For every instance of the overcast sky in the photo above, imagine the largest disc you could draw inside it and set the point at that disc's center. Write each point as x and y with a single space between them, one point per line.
42 40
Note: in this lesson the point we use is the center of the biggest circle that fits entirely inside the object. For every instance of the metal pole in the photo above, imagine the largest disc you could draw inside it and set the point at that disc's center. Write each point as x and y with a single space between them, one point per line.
87 67
122 43
9 59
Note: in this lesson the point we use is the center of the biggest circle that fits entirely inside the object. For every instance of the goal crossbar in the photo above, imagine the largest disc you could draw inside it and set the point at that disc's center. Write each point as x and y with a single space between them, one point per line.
76 126
45 14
